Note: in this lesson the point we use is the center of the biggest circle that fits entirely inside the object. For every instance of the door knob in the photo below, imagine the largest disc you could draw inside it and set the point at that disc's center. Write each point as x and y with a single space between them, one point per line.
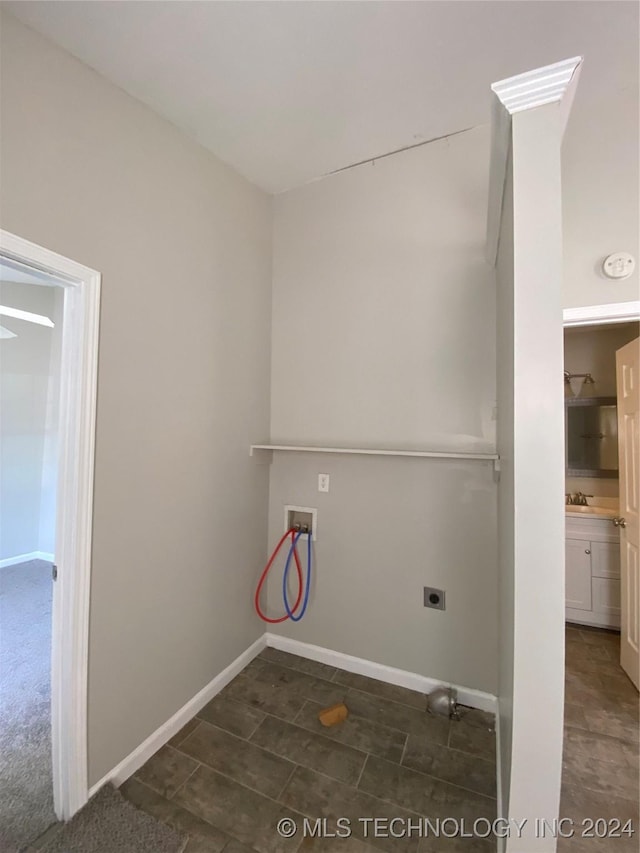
619 522
587 550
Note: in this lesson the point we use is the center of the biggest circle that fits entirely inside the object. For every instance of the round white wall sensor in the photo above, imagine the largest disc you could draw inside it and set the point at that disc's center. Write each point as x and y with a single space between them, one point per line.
619 265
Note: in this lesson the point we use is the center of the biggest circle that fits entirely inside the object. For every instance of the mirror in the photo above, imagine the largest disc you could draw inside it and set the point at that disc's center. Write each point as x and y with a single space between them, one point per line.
591 437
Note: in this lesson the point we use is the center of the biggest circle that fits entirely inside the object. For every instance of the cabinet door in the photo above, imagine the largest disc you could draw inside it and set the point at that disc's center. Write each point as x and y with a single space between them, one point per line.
606 598
578 574
605 559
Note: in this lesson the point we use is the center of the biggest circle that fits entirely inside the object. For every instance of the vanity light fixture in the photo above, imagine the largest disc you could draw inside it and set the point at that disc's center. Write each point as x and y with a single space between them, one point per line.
587 389
568 390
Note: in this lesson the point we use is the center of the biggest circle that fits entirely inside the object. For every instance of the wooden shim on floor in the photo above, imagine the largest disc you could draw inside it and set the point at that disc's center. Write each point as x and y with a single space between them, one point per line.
333 715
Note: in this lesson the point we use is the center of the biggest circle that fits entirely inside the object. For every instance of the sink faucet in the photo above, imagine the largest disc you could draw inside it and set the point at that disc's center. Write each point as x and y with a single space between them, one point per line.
577 499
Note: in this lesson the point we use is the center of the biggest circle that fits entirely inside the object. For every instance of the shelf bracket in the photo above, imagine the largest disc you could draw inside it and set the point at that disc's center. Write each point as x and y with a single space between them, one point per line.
261 456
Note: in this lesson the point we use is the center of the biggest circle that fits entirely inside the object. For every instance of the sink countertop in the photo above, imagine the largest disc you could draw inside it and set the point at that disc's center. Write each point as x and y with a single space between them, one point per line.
597 511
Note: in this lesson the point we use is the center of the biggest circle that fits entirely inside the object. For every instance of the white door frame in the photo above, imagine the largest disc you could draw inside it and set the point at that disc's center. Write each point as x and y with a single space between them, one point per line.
609 314
74 513
593 315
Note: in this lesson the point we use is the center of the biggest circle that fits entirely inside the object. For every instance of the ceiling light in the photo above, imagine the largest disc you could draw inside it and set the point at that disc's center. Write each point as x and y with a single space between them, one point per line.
6 333
17 314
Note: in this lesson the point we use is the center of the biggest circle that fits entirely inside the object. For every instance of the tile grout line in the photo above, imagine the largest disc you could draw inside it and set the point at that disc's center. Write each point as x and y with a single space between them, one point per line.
593 680
260 794
327 776
246 788
294 722
404 749
391 802
225 832
286 784
248 738
319 734
182 784
277 755
295 669
357 785
332 681
357 690
153 790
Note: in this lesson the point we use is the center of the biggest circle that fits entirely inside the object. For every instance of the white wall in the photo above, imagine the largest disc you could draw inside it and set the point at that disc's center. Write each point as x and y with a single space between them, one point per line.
25 377
384 335
184 247
505 273
382 328
601 195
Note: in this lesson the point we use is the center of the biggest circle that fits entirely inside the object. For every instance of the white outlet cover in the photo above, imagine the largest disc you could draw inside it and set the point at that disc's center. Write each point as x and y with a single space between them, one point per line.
323 482
618 265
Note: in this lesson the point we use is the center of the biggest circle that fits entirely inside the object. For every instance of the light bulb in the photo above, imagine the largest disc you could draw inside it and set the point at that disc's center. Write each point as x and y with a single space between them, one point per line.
568 390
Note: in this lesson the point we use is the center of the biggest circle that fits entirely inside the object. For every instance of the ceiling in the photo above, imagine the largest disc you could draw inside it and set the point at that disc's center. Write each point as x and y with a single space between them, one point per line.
286 92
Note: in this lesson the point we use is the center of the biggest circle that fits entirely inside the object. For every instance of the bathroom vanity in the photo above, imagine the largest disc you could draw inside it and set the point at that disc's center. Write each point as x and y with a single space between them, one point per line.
592 567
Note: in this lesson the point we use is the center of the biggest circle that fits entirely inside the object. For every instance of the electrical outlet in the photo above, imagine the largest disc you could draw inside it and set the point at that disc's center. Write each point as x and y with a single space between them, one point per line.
323 482
434 598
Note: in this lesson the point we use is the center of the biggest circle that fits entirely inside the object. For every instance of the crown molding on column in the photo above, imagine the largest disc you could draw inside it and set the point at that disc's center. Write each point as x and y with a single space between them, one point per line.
551 84
536 88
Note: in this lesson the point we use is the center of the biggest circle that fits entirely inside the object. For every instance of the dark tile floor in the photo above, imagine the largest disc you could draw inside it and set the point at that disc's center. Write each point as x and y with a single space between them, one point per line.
600 762
257 753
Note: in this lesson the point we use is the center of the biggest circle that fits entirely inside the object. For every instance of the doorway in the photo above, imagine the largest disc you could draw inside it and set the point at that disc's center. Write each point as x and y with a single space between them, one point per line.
601 702
55 582
30 334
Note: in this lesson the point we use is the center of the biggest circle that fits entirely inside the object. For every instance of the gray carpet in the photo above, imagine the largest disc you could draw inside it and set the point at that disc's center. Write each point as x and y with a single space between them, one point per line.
26 799
111 824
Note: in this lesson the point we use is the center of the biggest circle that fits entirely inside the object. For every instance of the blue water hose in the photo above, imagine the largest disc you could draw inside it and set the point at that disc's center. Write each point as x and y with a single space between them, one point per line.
285 578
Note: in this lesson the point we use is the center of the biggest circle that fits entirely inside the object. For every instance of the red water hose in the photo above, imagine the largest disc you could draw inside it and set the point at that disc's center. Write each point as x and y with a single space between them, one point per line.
263 578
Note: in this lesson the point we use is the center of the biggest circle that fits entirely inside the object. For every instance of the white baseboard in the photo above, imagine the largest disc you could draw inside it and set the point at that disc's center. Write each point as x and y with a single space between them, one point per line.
24 558
593 620
128 766
381 672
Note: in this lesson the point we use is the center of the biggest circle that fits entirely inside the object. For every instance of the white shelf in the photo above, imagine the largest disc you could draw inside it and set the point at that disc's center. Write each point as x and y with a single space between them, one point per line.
365 451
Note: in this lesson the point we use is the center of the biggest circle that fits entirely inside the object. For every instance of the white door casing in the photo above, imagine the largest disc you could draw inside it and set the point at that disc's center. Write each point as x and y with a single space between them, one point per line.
74 514
628 382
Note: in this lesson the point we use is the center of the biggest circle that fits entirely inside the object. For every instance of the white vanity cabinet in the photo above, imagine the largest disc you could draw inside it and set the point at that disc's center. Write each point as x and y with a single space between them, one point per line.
592 594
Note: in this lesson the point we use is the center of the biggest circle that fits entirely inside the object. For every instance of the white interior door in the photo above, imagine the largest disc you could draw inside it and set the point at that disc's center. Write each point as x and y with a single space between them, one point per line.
628 380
